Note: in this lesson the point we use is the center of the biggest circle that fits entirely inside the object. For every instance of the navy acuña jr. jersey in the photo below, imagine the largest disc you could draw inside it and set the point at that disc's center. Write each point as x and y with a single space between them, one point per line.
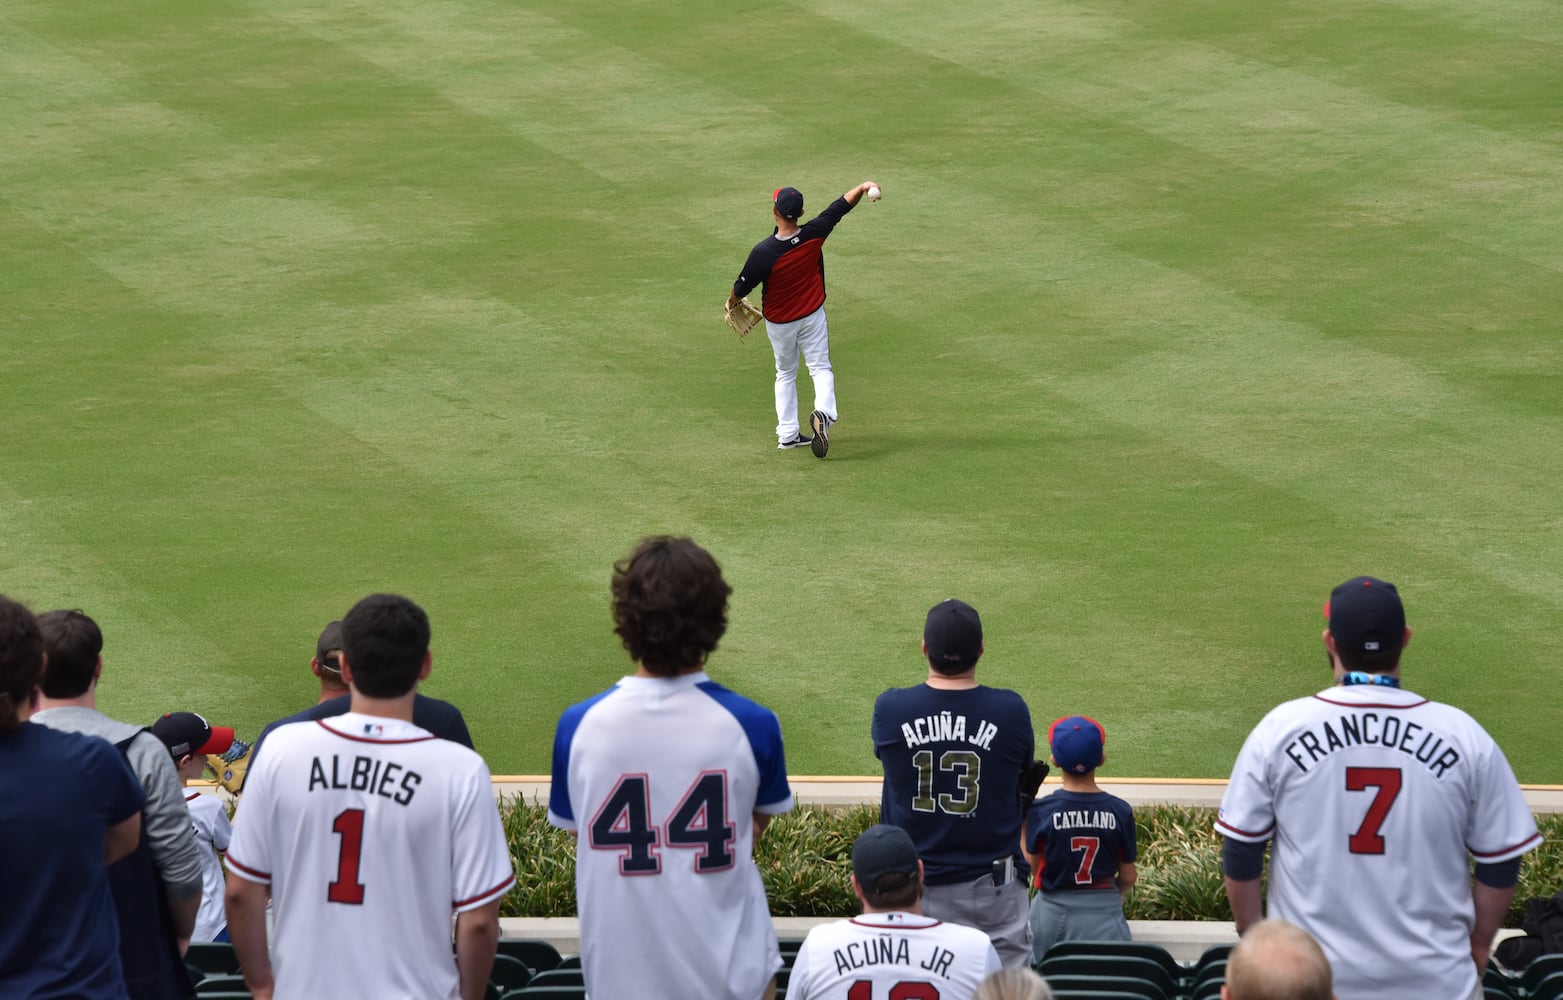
952 761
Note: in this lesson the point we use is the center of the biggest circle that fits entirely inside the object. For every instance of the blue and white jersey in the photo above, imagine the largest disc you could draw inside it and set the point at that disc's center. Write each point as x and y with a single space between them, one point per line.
1080 838
660 778
952 760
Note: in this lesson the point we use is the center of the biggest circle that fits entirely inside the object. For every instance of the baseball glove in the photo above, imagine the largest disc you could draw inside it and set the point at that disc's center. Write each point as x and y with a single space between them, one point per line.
742 316
230 765
1031 778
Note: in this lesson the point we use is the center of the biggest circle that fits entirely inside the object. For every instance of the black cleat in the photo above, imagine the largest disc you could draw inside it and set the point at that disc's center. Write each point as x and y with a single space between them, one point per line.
798 441
821 426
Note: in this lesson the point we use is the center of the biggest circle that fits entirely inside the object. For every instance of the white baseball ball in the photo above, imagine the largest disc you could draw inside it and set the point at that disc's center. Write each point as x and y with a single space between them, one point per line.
873 193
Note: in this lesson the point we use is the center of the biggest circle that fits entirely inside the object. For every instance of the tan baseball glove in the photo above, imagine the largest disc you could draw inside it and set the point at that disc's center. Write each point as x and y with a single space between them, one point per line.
231 766
742 316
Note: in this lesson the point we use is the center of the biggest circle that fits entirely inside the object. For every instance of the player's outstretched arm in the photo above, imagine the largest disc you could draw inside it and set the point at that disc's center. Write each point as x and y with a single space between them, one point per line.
855 195
246 905
477 940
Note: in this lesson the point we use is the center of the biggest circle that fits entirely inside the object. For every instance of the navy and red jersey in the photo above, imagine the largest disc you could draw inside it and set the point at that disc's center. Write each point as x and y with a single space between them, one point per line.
1080 839
952 761
792 270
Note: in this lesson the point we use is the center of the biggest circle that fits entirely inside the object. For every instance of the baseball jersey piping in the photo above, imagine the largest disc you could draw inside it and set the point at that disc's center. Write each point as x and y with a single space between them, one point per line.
501 887
369 739
865 921
255 875
1374 704
1519 848
1237 832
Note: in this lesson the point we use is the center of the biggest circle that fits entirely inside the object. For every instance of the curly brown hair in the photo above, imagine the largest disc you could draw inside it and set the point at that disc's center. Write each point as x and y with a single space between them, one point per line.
21 660
669 604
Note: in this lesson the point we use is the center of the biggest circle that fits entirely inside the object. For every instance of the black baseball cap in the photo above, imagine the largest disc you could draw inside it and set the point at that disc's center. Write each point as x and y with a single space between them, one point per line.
884 858
788 202
186 733
1366 617
330 641
953 635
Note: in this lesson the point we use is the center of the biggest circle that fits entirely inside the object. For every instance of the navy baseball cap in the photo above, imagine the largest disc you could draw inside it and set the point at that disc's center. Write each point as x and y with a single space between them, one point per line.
788 202
953 635
884 858
1077 742
1366 617
186 733
330 641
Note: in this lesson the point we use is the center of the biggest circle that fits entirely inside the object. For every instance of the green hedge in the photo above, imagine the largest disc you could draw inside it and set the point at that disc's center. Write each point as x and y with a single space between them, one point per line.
803 859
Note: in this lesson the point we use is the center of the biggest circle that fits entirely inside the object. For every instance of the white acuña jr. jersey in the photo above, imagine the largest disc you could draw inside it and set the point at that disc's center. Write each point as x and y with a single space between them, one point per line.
660 778
372 833
891 956
1377 799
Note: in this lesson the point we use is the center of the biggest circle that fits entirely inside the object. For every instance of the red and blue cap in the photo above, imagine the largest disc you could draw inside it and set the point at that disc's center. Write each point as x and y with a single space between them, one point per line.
1077 742
788 202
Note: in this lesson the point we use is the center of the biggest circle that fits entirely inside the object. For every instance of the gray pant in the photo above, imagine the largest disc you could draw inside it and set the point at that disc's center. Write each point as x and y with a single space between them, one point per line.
1088 915
1000 911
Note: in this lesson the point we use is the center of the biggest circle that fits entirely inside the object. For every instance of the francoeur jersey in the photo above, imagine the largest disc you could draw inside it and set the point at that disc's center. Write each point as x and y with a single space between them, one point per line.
372 833
952 760
1080 838
661 777
209 820
891 956
792 269
1377 798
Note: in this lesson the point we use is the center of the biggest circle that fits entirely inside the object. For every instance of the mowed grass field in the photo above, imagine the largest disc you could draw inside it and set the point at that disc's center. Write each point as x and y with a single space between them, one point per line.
1173 316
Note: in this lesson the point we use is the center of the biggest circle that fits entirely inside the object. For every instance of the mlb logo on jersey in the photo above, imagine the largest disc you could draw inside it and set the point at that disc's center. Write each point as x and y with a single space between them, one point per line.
373 729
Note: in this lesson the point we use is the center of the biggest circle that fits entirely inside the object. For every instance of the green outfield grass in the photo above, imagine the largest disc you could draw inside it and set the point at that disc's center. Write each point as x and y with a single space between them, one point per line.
1173 316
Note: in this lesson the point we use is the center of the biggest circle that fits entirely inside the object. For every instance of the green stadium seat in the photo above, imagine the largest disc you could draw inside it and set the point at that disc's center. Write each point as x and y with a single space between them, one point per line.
1215 953
558 977
1548 987
1176 972
547 993
509 973
1540 968
1132 966
569 962
1141 989
221 984
213 957
536 955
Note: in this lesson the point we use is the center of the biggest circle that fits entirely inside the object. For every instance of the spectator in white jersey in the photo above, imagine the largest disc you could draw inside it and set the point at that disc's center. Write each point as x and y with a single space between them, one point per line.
892 949
190 738
667 778
369 835
1378 800
1276 960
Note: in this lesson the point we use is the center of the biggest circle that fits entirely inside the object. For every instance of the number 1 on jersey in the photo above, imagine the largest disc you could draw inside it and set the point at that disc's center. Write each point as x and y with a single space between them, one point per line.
349 825
863 989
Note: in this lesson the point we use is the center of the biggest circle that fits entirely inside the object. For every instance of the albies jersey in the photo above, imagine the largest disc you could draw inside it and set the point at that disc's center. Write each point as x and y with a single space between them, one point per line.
1377 798
372 833
661 777
891 956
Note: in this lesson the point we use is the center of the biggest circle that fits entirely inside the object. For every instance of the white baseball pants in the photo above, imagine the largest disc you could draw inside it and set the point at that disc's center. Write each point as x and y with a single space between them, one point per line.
810 338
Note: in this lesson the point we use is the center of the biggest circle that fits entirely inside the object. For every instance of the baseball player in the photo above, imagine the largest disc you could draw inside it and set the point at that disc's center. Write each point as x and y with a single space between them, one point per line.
790 266
190 739
1377 799
370 834
892 951
954 753
1081 841
666 779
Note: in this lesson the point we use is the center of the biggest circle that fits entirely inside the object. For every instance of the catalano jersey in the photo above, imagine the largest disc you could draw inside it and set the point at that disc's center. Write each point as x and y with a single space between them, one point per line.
1377 798
372 833
891 956
952 760
661 777
1080 839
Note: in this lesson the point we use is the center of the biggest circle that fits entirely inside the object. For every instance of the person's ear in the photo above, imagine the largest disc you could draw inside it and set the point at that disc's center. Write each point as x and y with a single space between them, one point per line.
428 664
345 668
1406 639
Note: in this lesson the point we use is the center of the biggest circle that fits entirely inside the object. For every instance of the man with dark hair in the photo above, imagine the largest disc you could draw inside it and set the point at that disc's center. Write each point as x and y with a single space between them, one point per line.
667 778
364 829
157 888
1277 961
954 753
790 266
1371 790
893 947
68 806
438 717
